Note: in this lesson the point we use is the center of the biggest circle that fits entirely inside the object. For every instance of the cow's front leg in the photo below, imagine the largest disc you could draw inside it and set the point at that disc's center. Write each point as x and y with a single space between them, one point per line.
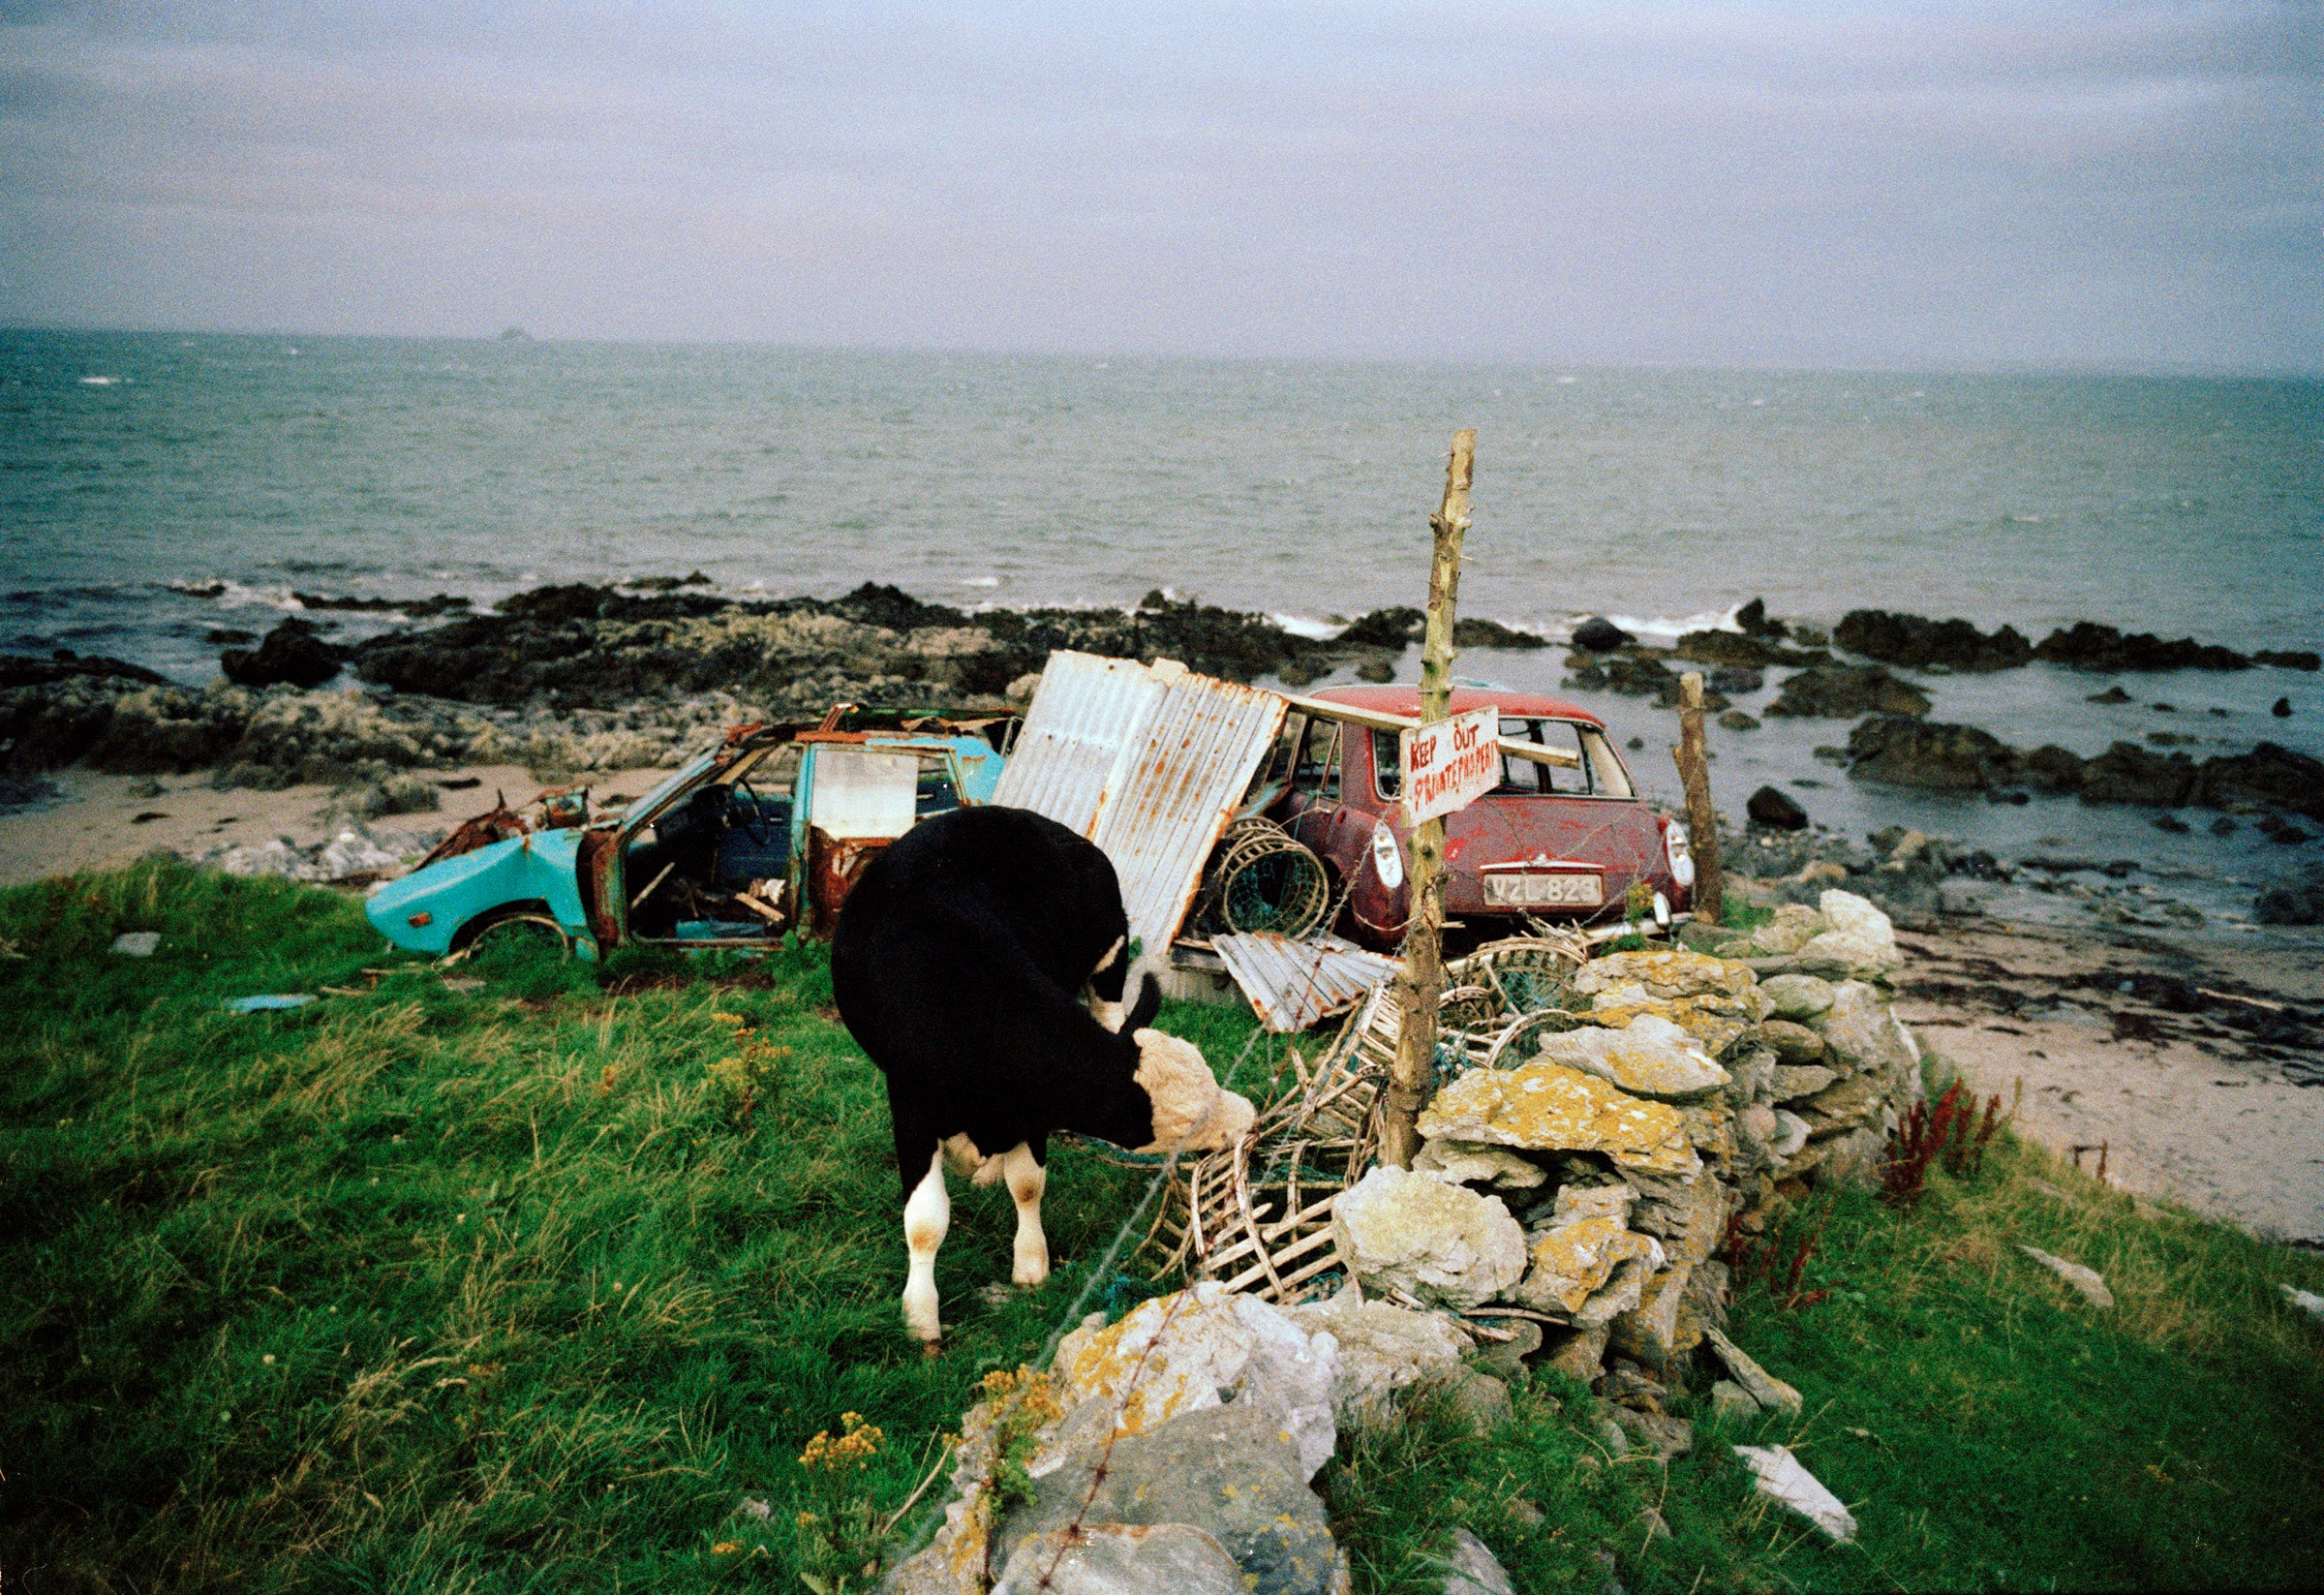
927 1215
1028 1179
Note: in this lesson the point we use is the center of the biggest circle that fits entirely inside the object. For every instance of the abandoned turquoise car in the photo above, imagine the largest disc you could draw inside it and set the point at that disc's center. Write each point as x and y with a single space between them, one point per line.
759 837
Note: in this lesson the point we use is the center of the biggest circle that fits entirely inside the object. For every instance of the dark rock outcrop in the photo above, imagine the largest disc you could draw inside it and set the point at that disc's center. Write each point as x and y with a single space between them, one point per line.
1776 809
2269 774
292 655
1485 634
1753 618
2126 773
1902 750
2089 646
2297 900
1841 691
1600 635
2289 659
30 670
1911 640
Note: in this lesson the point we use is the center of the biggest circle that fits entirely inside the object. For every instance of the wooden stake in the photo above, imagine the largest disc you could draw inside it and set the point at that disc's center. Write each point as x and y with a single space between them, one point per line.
1422 985
1702 821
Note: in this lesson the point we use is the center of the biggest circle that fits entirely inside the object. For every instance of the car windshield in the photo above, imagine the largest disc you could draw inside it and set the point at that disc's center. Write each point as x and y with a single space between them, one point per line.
694 770
1580 763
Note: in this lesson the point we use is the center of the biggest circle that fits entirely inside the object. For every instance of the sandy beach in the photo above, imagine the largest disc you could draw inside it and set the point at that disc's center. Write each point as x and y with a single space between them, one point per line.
2200 1080
102 821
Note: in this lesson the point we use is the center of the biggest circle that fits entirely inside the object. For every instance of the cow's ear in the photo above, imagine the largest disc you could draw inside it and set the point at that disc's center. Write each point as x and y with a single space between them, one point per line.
1142 1011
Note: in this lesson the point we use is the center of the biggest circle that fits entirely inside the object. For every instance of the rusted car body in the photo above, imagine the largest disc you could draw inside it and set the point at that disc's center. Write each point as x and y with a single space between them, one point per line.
1564 837
757 837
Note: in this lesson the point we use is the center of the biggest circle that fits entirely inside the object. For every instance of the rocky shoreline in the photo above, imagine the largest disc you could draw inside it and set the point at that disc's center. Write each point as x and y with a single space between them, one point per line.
568 679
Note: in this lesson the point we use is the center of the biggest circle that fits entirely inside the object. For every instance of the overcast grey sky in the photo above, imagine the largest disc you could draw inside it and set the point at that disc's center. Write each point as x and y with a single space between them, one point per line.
2022 183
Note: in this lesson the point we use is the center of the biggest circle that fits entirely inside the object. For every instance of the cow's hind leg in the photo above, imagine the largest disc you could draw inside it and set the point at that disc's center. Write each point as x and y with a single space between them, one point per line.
927 1215
1028 1179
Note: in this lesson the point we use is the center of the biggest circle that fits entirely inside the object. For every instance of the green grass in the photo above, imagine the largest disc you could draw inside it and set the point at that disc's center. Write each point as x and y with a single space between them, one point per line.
507 1288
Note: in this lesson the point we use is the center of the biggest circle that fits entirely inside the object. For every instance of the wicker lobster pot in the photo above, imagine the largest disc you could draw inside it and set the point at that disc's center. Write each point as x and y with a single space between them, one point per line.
1257 1215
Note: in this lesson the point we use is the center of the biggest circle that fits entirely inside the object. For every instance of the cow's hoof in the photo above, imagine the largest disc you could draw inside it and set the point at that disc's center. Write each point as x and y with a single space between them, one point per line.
1028 1277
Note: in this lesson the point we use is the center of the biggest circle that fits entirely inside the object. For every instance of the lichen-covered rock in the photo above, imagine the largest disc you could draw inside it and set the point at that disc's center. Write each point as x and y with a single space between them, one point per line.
1650 1056
1792 1083
1649 1331
1383 1349
1547 1106
1854 1158
1227 1471
1667 974
1471 1163
1715 1022
1396 1230
1574 1261
1793 927
1861 945
1796 997
1121 1559
1860 1034
1840 1106
1794 1043
1180 1353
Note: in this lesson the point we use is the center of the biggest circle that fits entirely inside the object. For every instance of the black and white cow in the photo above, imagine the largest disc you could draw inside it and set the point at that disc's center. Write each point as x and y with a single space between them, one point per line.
959 962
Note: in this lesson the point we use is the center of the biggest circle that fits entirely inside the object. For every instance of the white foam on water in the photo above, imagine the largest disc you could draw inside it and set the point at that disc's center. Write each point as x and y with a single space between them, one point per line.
1674 628
1300 626
983 581
99 381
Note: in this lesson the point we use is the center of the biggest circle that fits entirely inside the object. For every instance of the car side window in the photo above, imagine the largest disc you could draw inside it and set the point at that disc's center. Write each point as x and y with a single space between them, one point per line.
1318 769
1387 764
1566 773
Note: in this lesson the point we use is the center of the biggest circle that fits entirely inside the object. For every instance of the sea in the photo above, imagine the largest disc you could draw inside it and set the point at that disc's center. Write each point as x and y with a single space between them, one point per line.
157 488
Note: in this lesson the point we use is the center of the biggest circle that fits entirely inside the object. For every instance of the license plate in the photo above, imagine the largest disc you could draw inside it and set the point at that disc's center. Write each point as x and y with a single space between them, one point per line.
1545 891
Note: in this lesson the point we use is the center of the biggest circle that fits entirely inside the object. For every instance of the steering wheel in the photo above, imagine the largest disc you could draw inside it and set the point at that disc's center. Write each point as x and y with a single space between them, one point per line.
754 822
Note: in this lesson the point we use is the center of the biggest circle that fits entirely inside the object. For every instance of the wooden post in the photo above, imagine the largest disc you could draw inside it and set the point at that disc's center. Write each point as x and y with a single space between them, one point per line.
1702 821
1422 985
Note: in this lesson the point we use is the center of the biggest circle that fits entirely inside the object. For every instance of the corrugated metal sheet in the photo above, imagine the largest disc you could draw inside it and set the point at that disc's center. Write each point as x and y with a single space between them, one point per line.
1292 984
1149 763
1077 735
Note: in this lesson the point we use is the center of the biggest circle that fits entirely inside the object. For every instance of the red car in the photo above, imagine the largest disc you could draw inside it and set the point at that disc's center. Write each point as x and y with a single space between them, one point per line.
1562 837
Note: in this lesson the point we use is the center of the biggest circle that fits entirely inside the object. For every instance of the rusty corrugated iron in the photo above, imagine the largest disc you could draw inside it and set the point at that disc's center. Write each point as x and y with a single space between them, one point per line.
1077 736
1292 984
1148 762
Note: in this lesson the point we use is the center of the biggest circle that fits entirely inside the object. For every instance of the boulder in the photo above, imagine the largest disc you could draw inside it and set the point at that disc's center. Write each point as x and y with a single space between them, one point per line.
1795 1044
1472 1568
1547 1106
1619 1293
1796 997
1668 1438
1841 1106
1439 1242
1861 945
292 655
1792 1136
1467 1163
1793 927
1777 810
1227 1471
1731 1403
1120 1560
2269 774
1861 1035
1575 1202
1188 1351
1505 1359
1480 1400
1382 1349
1650 1056
1714 1024
1854 1158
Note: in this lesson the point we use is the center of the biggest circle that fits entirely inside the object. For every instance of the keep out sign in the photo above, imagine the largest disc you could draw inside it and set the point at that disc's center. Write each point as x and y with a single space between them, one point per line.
1451 764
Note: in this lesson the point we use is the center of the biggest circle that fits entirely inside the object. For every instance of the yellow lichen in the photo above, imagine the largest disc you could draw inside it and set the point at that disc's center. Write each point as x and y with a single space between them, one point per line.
1547 1106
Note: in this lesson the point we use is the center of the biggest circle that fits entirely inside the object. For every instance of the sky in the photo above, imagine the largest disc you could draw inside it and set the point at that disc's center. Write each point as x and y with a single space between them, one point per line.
2029 184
